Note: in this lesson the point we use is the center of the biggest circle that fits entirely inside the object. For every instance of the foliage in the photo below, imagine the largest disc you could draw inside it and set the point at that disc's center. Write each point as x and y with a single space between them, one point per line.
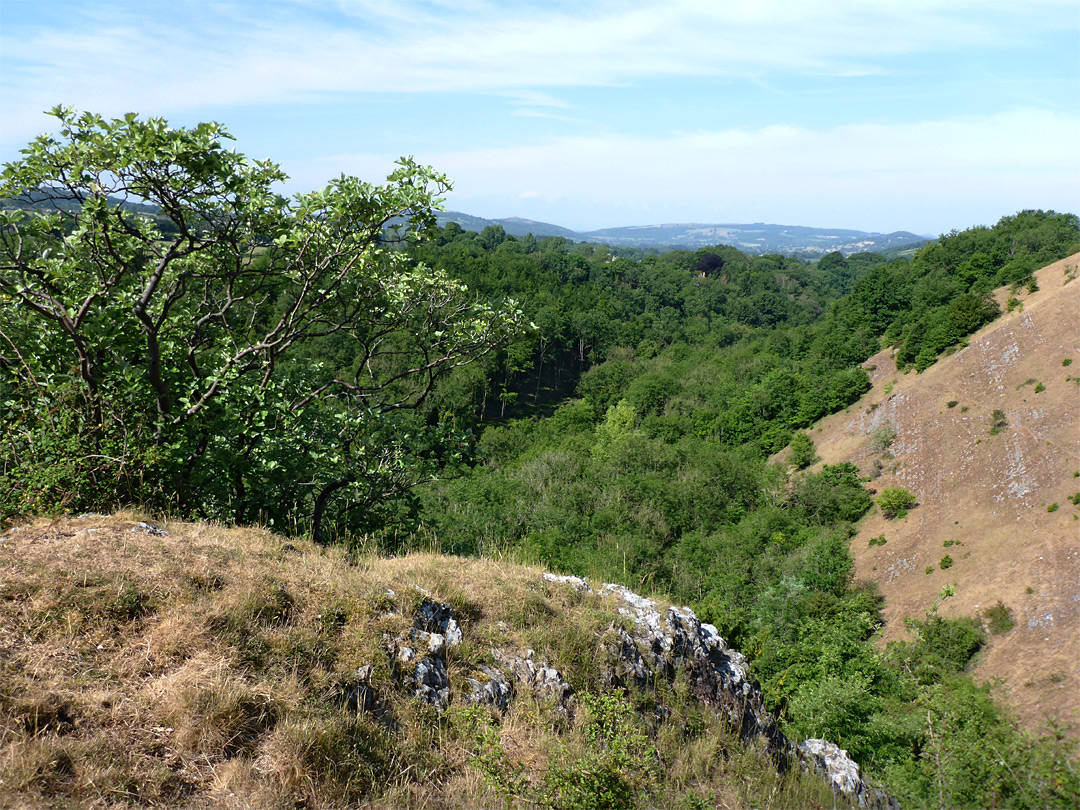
999 618
895 502
998 422
882 438
803 453
253 363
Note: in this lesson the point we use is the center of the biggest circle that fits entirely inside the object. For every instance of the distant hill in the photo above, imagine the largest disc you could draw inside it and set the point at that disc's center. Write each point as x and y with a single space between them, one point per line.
756 238
514 226
759 238
998 509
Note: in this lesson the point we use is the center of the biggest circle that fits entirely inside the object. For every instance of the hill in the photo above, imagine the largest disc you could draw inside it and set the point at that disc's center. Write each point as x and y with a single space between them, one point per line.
1000 502
757 238
186 665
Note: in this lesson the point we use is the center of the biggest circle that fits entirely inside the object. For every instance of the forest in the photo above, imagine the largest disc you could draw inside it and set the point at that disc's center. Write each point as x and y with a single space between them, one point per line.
337 366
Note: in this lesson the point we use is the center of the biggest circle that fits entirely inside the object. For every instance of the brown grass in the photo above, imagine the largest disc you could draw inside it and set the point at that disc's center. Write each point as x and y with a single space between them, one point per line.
205 669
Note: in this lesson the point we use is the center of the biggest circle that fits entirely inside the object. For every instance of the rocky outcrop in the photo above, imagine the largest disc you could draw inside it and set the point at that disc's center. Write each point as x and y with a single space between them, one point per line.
652 645
843 774
663 644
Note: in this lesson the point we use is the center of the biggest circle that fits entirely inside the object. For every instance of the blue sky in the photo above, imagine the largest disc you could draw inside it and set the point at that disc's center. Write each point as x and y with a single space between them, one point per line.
926 115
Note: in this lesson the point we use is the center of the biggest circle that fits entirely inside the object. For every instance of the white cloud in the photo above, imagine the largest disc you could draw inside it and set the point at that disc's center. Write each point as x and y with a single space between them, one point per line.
925 176
117 57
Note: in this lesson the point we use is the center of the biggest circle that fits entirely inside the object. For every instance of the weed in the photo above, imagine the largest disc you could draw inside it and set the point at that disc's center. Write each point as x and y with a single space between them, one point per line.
1052 507
952 403
930 569
964 409
946 562
1040 388
878 541
1067 361
1029 590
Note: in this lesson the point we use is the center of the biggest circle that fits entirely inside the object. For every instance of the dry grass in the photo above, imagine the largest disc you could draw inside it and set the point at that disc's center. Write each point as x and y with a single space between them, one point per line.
205 668
984 497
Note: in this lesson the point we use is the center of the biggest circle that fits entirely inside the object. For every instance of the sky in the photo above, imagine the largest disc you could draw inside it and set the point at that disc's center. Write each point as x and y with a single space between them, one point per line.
925 116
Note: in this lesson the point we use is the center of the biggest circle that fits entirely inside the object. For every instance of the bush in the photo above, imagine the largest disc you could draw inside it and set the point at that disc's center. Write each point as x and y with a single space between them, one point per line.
882 438
895 502
999 618
998 422
802 451
946 562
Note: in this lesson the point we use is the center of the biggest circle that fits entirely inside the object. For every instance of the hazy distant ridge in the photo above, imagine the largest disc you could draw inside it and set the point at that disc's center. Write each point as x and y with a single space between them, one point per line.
756 238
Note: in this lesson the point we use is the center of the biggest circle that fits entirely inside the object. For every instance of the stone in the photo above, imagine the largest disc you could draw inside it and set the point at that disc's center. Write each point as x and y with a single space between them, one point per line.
490 687
545 681
435 617
843 775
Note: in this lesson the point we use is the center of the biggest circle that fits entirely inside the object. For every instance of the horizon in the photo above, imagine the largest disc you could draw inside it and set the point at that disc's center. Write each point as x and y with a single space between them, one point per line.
928 119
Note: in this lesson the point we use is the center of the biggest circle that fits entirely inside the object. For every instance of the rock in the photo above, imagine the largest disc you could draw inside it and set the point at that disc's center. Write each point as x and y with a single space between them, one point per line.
843 774
490 687
543 680
357 693
435 617
576 582
426 674
150 529
419 657
663 645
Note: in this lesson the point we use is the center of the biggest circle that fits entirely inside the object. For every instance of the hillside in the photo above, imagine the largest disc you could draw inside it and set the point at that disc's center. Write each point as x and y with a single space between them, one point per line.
185 665
1001 504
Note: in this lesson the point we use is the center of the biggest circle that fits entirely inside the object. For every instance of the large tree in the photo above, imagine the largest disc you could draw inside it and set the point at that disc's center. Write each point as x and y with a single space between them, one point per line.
227 352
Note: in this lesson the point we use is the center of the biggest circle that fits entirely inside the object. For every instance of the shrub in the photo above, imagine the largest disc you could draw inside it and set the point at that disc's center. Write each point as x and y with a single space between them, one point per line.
998 422
878 541
1052 507
1040 388
895 502
946 562
952 403
882 438
1067 361
802 451
999 618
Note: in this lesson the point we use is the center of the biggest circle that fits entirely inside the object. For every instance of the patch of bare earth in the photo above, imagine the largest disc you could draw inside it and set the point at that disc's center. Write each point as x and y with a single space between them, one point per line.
986 500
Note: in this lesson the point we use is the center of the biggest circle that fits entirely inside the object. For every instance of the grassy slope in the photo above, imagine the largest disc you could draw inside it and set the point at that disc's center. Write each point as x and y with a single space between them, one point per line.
987 494
211 668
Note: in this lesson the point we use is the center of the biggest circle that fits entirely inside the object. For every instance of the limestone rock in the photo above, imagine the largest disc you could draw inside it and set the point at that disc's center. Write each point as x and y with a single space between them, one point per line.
490 687
542 679
843 774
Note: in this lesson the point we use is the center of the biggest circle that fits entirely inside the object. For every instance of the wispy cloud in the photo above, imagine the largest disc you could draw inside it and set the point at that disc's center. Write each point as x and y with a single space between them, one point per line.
849 175
119 56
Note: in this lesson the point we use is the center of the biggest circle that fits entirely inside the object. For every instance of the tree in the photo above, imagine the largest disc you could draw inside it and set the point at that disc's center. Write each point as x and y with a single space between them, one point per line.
258 362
